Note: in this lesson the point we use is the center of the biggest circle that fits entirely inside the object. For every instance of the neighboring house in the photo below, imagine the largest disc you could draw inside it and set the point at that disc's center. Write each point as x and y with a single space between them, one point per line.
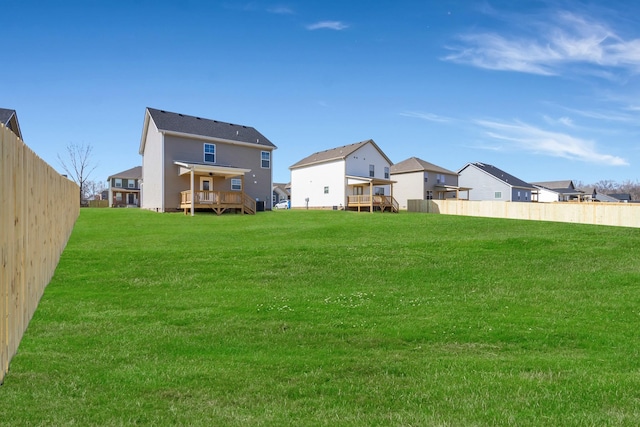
124 188
592 195
280 192
556 191
9 118
355 176
487 182
418 179
623 197
193 163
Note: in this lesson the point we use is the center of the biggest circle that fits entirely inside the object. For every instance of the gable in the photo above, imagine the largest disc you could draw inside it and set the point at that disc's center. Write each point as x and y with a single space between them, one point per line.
415 164
9 118
498 174
205 129
338 153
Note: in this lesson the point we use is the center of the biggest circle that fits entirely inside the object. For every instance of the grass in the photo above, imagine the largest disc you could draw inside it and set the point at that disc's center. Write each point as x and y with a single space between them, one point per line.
333 318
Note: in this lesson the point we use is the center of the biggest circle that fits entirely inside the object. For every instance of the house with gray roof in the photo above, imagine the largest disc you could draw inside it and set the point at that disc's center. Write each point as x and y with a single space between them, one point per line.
9 118
556 191
487 182
124 188
191 163
354 176
418 179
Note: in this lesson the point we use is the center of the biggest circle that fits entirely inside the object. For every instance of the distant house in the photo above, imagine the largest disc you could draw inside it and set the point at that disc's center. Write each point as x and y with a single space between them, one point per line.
191 163
124 188
355 176
556 191
487 182
9 118
623 197
280 192
591 194
418 179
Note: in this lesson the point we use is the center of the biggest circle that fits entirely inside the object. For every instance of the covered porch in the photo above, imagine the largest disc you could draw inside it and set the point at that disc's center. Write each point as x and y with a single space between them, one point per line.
453 191
361 194
201 193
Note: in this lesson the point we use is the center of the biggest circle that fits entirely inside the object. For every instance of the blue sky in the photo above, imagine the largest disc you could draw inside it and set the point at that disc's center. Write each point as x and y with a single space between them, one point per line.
543 90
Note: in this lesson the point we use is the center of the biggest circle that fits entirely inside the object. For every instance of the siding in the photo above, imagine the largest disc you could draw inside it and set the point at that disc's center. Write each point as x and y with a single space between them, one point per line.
152 171
483 186
309 182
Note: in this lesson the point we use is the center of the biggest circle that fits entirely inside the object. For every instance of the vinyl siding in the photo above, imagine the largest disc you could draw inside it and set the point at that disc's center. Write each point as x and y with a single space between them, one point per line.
309 182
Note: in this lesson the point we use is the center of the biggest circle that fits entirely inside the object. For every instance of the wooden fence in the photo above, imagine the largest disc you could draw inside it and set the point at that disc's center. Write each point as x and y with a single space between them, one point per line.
616 214
38 208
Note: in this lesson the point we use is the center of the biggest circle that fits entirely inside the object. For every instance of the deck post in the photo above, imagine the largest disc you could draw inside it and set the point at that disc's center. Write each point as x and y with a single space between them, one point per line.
193 199
371 196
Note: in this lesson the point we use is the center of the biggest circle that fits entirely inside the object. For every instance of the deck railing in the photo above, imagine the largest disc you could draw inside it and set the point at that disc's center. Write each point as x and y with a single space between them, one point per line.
203 197
380 201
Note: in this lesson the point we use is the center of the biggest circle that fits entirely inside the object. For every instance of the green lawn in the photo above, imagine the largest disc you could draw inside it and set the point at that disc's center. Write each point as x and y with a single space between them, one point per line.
333 318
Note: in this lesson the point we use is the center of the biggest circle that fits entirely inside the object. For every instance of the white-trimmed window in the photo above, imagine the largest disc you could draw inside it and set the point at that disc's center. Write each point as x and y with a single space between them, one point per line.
386 172
326 190
429 195
497 195
378 191
440 178
119 197
372 171
265 159
426 177
118 182
236 184
209 153
131 183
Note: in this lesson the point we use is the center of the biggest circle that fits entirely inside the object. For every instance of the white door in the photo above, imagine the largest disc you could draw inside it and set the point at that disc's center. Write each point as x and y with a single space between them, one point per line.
206 187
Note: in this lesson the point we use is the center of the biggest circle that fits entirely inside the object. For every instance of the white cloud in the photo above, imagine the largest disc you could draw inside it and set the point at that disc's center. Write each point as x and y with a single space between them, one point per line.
426 116
539 141
567 40
328 25
280 10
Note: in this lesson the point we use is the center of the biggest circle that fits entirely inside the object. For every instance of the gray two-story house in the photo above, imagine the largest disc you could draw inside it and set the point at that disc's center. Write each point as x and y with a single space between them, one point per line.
418 179
191 163
487 182
124 188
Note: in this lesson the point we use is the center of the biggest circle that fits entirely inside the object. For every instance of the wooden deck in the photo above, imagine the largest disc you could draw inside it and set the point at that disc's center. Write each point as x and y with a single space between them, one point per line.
218 201
372 203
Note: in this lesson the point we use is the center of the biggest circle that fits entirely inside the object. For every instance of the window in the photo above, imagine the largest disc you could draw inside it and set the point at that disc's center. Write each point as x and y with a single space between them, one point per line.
426 177
372 171
440 179
118 182
210 153
326 190
119 197
131 183
236 184
379 191
358 191
429 195
518 195
497 195
386 172
265 156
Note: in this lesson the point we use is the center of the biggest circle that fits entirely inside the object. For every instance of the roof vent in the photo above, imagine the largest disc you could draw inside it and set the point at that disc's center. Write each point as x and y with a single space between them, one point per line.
257 140
237 132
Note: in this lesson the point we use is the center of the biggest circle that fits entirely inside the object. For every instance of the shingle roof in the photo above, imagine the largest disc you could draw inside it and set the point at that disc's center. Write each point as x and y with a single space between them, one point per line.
133 173
5 115
414 164
552 185
502 175
182 123
338 153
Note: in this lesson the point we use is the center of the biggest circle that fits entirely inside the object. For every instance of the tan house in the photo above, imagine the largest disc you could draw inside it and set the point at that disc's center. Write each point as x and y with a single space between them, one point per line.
124 188
191 163
418 179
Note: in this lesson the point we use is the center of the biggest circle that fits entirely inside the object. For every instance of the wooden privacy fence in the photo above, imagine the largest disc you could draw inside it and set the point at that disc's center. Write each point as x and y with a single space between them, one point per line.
38 208
617 214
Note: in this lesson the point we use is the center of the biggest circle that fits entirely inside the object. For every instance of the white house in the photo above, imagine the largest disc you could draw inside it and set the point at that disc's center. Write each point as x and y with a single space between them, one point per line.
487 182
355 176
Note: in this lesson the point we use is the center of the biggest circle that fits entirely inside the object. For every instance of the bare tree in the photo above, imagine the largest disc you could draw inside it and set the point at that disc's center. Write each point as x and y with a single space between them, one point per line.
79 165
